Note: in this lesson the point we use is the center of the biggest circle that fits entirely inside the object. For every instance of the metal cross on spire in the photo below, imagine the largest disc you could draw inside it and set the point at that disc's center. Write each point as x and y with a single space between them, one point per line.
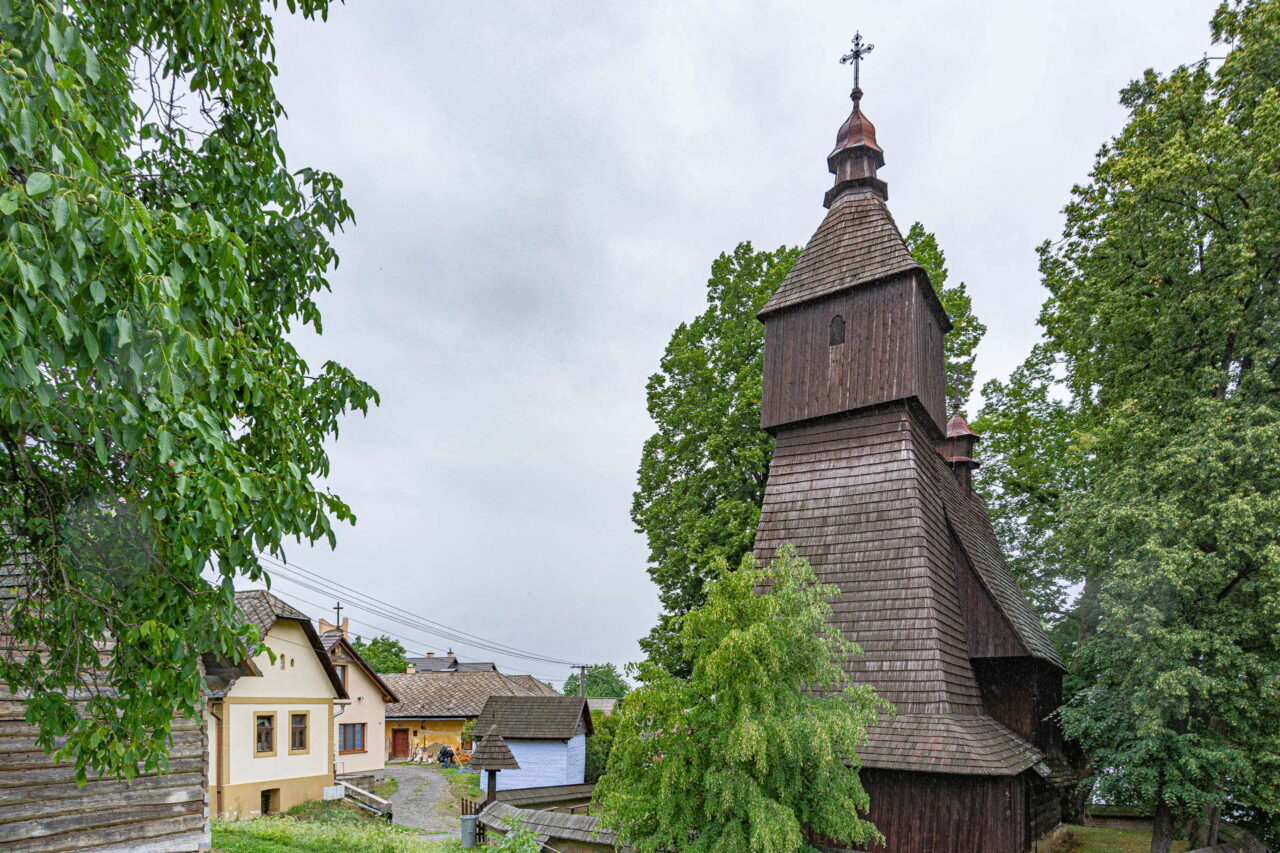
337 612
860 49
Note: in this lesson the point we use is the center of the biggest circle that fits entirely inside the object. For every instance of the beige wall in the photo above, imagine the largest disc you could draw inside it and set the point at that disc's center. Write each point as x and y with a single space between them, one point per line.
366 707
295 683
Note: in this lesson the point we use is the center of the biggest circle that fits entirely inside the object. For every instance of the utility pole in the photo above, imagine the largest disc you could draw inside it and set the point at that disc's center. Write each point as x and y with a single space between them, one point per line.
582 677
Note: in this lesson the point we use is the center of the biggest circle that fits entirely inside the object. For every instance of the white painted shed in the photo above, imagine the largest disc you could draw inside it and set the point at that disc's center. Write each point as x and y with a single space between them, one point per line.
546 734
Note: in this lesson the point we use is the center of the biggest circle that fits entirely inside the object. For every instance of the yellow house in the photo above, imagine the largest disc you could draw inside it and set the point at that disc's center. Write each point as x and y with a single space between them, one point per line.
434 706
358 728
272 735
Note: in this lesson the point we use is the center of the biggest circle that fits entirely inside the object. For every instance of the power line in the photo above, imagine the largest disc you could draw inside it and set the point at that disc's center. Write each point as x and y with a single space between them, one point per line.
404 617
324 587
388 632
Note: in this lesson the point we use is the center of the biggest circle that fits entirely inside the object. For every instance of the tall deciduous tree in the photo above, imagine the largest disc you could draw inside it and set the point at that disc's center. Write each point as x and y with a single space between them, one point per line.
1158 468
155 419
383 654
758 747
603 681
702 473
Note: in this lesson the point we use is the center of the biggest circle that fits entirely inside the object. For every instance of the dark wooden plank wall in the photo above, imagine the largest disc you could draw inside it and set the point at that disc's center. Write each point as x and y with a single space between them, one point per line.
888 354
1023 694
948 814
43 811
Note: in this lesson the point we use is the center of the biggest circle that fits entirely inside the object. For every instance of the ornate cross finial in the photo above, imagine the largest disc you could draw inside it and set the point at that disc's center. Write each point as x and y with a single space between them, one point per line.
855 56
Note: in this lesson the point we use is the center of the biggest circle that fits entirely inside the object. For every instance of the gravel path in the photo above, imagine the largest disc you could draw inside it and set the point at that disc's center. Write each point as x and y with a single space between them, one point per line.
422 801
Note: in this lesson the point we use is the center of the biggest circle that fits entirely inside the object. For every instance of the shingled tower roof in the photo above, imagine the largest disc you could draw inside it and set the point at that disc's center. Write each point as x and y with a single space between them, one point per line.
860 486
492 753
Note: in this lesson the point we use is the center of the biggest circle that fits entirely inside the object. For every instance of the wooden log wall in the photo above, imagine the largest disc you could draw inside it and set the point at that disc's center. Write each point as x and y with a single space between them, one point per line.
43 811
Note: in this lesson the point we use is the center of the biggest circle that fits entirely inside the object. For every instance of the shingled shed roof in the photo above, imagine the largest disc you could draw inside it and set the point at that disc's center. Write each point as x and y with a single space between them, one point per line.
492 753
857 243
972 744
536 717
549 826
434 695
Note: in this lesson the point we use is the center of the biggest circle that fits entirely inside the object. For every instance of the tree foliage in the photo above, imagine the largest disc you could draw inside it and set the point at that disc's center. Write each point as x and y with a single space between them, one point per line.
383 654
759 745
703 471
603 681
967 330
600 744
155 419
1137 453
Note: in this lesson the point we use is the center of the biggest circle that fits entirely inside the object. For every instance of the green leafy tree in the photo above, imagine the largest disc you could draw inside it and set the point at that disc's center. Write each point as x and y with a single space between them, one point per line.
155 418
1161 336
603 681
383 654
702 473
967 330
600 744
758 747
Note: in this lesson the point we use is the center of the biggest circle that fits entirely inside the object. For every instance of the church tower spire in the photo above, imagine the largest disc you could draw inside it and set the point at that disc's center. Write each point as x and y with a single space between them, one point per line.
869 482
856 157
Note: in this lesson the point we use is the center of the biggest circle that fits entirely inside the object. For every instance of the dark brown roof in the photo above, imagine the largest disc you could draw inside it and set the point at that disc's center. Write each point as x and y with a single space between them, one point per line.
857 243
329 639
535 717
958 426
435 695
492 753
449 663
262 610
971 744
870 503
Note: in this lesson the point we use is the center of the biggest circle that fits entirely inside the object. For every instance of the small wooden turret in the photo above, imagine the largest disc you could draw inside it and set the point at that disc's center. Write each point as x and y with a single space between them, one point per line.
957 449
492 754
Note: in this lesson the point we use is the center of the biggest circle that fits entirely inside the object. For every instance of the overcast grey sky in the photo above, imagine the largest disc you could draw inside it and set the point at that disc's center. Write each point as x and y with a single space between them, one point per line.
540 189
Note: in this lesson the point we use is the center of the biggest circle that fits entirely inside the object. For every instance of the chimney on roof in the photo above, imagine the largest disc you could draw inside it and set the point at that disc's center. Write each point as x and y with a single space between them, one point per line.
431 654
410 669
957 449
326 627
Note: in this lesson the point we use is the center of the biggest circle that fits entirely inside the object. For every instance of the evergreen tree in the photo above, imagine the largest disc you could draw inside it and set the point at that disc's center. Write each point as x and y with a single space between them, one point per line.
758 747
156 420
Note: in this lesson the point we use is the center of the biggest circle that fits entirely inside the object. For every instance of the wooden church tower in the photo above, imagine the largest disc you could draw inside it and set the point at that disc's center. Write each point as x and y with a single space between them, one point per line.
870 482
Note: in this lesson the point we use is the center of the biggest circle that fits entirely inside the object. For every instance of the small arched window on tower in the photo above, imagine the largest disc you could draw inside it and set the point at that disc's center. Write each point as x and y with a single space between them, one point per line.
837 330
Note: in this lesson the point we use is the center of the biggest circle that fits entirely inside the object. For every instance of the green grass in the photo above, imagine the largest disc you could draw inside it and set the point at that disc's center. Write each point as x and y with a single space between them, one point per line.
386 788
462 785
287 834
1095 839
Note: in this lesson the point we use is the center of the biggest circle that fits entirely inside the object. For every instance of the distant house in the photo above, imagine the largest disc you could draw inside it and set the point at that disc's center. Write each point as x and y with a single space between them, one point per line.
273 734
435 705
546 734
605 706
448 663
360 727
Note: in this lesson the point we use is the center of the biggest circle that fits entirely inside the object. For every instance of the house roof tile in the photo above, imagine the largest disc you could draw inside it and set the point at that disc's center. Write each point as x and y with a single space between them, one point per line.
427 695
535 717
